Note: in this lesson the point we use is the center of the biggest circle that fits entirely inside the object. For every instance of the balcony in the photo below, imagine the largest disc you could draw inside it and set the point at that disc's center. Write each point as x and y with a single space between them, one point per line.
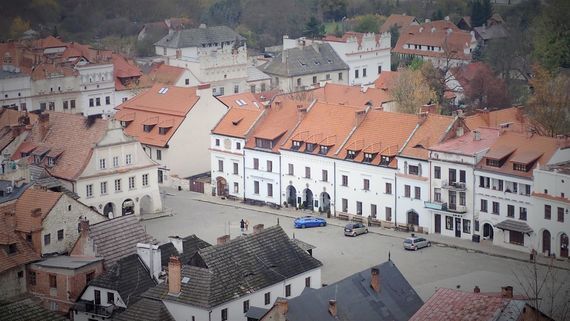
458 186
453 207
445 207
90 307
436 206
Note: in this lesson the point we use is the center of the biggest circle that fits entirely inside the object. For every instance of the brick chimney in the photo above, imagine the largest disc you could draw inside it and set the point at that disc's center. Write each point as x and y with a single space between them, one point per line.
84 227
484 113
332 308
257 228
359 116
282 306
507 292
174 275
223 239
476 289
375 279
43 123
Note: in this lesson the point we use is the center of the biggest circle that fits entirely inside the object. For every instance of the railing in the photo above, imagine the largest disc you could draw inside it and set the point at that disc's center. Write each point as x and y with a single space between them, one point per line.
90 307
454 185
453 207
436 206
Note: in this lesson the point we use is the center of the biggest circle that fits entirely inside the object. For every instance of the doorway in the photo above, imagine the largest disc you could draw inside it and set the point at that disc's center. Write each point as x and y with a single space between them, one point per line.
437 223
488 231
564 245
457 227
546 242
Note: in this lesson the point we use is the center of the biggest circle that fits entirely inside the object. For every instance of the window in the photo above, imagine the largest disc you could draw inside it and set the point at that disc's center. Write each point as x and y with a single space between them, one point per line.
262 87
560 214
496 208
522 213
187 81
358 208
308 282
236 168
217 142
484 205
344 205
413 170
102 163
236 188
72 104
462 198
516 238
379 69
236 89
500 185
373 210
288 290
462 177
238 145
407 191
437 172
256 187
328 77
65 104
267 298
252 88
437 194
363 72
220 165
89 276
417 193
510 211
493 162
245 306
340 76
33 278
467 226
307 172
356 75
103 188
110 297
147 128
89 190
344 180
145 180
118 185
388 214
325 176
452 175
98 101
91 102
291 169
115 161
366 183
128 159
60 235
158 154
255 163
53 281
527 189
225 314
132 182
449 223
269 190
107 100
269 166
547 212
298 81
520 167
12 248
388 188
314 79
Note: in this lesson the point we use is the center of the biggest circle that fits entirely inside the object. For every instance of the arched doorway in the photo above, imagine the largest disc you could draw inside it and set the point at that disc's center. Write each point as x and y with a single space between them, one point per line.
488 231
308 199
325 200
221 186
563 245
292 196
109 210
128 207
546 242
146 205
413 218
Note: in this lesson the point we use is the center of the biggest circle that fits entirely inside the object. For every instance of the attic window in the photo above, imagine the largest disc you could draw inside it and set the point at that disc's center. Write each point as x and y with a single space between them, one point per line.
163 90
385 160
12 248
37 159
368 157
324 150
329 61
310 148
241 102
520 167
296 145
351 154
493 162
316 62
236 122
147 128
51 161
263 143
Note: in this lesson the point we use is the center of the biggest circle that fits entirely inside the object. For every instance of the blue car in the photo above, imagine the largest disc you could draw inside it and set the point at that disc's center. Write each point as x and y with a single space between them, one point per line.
309 221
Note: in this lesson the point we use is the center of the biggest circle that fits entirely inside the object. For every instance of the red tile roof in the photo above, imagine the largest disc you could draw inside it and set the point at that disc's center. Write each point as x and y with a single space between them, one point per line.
348 35
387 80
496 118
238 121
468 144
431 132
351 95
166 110
400 20
247 100
123 68
32 207
24 253
165 74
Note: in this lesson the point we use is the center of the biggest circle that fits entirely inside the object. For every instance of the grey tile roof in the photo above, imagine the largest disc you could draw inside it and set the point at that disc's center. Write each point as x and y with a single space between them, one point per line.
190 245
491 32
118 238
222 273
15 194
513 225
145 310
303 245
26 310
129 276
254 74
199 36
356 300
67 262
312 59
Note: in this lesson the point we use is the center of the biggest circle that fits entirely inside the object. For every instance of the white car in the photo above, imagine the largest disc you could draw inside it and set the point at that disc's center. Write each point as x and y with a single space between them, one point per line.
416 243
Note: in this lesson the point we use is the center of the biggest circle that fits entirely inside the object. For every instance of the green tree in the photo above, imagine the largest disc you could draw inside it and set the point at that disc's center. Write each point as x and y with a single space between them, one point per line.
314 29
333 9
481 11
552 35
367 23
394 35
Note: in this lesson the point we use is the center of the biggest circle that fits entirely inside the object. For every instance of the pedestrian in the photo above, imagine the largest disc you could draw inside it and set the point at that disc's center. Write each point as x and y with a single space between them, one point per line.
242 225
246 225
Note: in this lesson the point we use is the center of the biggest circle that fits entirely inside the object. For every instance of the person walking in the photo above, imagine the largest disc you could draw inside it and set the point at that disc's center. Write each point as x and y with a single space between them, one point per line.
242 225
246 225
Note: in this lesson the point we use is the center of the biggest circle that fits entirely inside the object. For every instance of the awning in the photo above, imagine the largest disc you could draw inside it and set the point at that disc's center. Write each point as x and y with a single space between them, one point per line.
516 226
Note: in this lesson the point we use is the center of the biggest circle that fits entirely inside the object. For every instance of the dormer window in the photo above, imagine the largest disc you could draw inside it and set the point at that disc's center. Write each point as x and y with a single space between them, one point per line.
12 249
163 130
324 150
520 167
368 157
385 160
493 162
124 123
51 161
37 159
263 143
351 154
310 147
147 128
296 145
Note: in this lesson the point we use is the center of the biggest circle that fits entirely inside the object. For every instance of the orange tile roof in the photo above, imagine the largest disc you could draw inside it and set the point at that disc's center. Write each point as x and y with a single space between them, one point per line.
467 144
32 207
247 99
429 133
152 108
528 149
24 253
238 121
351 95
387 80
348 35
397 19
380 133
494 118
123 68
165 74
70 134
11 117
46 70
49 42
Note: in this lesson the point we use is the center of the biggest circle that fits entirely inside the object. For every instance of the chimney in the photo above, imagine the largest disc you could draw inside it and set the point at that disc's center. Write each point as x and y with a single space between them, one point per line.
476 289
177 242
84 227
223 239
375 279
43 123
282 306
484 113
150 255
174 275
284 56
476 135
359 116
257 228
301 112
332 308
507 292
422 117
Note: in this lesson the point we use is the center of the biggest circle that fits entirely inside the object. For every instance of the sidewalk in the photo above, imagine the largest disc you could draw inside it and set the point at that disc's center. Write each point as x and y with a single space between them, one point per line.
483 247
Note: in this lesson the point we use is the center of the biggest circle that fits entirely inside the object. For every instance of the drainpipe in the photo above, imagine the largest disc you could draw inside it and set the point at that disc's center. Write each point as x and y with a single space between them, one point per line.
396 202
280 182
243 164
334 189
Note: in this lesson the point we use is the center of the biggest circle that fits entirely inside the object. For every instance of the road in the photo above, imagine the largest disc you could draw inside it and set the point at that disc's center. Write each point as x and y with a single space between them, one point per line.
426 270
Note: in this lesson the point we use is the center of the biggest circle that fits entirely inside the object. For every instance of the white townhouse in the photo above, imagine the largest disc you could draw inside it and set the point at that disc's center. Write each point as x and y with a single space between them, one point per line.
227 143
92 157
452 165
15 88
551 204
173 125
508 213
213 55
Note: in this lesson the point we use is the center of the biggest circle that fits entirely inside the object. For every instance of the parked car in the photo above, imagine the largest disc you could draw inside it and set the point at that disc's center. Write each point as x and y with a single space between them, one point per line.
354 229
416 243
309 221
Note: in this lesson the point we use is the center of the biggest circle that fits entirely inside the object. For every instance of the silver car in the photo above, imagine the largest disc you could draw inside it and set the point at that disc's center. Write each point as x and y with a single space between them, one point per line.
416 243
354 229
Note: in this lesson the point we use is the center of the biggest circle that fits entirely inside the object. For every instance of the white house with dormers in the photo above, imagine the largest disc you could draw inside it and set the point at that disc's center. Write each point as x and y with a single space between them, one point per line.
214 55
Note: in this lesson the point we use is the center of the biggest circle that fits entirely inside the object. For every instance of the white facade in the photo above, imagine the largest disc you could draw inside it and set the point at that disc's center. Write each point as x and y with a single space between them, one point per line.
97 86
227 165
264 183
15 90
304 82
409 206
89 295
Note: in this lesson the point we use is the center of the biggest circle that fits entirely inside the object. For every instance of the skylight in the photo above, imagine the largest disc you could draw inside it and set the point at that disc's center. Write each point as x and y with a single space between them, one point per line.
163 90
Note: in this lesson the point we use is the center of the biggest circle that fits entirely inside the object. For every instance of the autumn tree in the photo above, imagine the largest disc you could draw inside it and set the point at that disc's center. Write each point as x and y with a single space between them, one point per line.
411 91
552 35
486 90
367 23
18 27
549 104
